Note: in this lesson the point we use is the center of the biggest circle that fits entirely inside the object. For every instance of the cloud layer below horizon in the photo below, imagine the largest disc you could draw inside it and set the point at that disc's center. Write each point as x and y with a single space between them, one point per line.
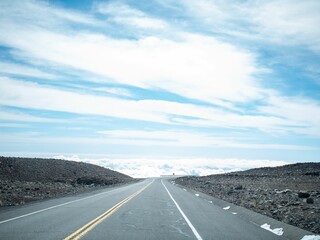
143 168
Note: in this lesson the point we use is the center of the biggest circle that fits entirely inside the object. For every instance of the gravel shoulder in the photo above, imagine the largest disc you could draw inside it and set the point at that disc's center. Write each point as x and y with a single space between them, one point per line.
290 193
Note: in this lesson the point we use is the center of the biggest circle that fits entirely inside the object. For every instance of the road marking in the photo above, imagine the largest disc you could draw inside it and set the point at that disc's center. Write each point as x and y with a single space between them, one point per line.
92 224
56 206
195 232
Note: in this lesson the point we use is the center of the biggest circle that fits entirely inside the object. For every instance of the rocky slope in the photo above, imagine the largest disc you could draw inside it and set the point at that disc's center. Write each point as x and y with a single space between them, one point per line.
27 179
288 193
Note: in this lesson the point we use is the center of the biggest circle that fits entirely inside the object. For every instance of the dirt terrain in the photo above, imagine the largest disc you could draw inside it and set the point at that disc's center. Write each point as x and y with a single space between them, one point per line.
28 179
290 193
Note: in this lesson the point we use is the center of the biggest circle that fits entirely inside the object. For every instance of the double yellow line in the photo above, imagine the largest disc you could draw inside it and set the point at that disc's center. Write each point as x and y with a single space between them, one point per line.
92 224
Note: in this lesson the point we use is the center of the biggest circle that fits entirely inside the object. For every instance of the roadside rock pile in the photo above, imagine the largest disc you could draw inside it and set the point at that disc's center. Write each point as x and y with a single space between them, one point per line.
27 179
290 193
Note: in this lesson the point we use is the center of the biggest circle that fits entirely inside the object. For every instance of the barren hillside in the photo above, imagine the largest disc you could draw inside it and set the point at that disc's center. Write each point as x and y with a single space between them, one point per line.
28 179
288 193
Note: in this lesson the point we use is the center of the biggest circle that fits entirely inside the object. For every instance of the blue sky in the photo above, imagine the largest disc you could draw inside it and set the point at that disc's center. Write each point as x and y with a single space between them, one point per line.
161 79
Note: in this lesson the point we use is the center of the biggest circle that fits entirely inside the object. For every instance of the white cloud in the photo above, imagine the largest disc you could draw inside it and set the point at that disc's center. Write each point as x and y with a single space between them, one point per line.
185 140
18 69
298 109
13 125
194 66
283 22
209 12
143 167
289 21
116 91
40 13
23 117
188 139
191 65
124 14
26 95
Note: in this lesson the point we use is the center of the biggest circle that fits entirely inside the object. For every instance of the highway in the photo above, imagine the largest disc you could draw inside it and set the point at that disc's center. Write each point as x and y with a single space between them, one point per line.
150 209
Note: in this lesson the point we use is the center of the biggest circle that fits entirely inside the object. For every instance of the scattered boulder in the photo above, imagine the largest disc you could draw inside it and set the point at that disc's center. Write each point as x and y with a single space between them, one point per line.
310 200
303 195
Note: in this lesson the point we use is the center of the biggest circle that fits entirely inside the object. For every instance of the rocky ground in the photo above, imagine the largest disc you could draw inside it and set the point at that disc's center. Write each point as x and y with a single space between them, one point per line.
290 193
27 179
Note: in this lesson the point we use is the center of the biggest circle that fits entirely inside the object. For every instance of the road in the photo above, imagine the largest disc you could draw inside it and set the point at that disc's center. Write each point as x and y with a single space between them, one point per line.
150 209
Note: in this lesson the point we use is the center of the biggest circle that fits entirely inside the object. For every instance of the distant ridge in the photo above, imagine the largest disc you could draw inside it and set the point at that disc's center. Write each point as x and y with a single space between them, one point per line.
310 168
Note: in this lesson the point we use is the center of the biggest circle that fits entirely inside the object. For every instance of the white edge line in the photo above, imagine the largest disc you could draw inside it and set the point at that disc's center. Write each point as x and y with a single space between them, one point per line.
56 206
195 232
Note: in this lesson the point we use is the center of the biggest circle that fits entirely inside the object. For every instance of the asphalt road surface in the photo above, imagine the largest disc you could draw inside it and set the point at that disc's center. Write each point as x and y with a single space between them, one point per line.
150 209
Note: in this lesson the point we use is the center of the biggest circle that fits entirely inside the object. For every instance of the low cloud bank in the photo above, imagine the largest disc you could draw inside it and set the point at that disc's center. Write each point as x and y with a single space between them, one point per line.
144 167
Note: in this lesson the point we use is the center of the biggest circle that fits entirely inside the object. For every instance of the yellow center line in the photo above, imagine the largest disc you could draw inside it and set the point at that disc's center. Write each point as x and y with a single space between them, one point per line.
92 224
